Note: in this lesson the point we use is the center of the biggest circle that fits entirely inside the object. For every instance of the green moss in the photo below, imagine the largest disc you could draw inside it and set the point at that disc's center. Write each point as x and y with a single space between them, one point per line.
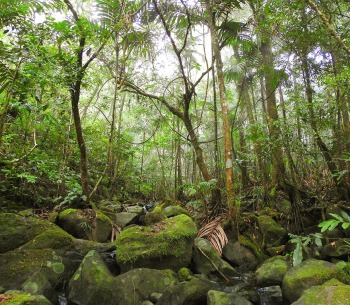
252 245
54 238
17 230
19 298
184 274
18 265
163 238
67 212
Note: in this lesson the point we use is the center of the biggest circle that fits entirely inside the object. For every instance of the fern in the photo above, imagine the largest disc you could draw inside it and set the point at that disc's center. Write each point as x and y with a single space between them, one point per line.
215 234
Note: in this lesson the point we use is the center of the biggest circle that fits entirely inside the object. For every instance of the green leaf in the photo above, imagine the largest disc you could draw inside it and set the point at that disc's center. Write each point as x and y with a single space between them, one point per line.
326 224
345 225
297 255
345 215
336 216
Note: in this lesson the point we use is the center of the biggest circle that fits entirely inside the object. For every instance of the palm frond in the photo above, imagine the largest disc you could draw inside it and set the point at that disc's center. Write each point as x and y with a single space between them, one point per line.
215 234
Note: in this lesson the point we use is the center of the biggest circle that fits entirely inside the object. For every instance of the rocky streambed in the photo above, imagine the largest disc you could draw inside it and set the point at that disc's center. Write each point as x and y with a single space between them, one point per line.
121 255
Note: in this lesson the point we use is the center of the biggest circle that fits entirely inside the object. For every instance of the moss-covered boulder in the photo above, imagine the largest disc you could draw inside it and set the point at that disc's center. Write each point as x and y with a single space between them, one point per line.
16 230
191 292
92 283
173 210
18 265
164 245
52 238
223 298
309 273
153 217
331 292
16 297
207 261
239 255
38 284
272 271
273 234
86 224
138 285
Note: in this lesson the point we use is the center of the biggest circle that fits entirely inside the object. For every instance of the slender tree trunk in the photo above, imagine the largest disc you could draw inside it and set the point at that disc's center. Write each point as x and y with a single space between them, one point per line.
278 169
231 200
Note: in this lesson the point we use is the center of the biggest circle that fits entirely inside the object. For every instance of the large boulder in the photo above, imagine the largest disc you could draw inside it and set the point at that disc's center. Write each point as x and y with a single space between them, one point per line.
239 255
86 224
38 284
139 285
207 261
331 292
223 298
309 273
192 292
164 245
272 271
18 265
16 230
273 234
16 297
92 283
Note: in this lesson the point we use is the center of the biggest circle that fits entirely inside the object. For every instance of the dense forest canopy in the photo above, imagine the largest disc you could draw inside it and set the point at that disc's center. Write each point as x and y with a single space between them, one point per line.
209 102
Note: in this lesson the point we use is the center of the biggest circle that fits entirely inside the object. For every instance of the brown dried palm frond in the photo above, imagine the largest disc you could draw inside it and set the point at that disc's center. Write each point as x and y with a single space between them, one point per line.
215 234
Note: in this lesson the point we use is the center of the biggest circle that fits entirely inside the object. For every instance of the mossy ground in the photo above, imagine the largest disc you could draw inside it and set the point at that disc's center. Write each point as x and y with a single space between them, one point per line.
167 237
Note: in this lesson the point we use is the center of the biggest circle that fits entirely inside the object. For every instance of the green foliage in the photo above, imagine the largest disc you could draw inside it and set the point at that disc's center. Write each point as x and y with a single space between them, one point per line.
330 224
301 242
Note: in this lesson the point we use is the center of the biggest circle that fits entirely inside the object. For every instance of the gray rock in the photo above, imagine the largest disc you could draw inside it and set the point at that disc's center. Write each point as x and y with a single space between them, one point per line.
239 255
207 260
125 218
271 295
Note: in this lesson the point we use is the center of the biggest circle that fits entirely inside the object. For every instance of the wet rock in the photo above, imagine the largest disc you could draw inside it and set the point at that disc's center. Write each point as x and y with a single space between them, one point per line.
272 271
223 298
245 290
309 273
271 295
164 245
207 260
239 255
331 292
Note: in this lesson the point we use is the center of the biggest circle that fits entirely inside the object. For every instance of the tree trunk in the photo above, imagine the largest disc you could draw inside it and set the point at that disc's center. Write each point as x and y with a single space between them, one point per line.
278 169
231 201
